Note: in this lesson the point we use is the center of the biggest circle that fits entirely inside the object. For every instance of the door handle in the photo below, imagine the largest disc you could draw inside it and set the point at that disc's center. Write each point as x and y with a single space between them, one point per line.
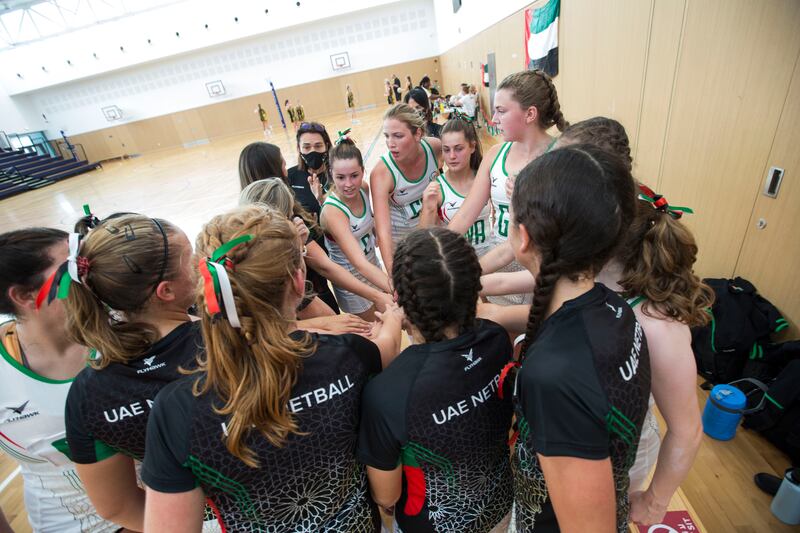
774 180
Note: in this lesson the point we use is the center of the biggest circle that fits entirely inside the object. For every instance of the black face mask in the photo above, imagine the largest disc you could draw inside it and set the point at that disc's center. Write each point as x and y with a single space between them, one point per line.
314 160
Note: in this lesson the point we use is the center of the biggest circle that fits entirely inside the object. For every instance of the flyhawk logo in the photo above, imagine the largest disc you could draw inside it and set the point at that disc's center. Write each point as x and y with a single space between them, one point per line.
149 366
355 227
19 410
472 360
616 310
402 192
452 205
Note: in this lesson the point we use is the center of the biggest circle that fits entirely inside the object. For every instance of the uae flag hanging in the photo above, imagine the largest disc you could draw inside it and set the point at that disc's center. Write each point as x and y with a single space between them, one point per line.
541 37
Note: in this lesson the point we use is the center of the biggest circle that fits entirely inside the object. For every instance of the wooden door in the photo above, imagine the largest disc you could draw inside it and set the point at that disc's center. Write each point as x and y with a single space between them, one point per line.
771 251
733 73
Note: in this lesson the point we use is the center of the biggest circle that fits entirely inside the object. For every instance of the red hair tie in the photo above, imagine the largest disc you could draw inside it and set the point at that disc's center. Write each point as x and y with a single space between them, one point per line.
83 265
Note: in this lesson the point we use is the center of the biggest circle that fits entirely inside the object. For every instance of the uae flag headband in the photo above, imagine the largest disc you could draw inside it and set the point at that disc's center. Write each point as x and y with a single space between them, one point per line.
216 283
75 267
57 285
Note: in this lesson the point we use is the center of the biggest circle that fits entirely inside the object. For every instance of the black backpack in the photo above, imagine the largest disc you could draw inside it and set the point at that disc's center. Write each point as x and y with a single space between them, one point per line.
779 420
741 320
766 361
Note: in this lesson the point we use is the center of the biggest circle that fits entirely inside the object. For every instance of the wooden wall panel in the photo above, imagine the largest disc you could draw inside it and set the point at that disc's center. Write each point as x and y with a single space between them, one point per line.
154 134
189 126
120 141
733 74
602 64
602 57
236 116
662 58
770 255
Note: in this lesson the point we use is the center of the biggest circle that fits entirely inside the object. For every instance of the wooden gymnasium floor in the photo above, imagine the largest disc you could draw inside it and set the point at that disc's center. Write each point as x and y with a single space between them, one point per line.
188 186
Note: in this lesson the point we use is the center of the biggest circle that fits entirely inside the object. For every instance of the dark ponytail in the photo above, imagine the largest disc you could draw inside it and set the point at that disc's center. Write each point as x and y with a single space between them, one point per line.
571 202
24 257
345 149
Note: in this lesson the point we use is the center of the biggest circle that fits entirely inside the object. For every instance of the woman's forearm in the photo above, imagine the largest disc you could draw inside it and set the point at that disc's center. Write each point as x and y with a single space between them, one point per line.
675 459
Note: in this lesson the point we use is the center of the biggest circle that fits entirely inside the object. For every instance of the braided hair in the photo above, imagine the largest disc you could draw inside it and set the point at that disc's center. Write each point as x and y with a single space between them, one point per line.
604 132
534 88
437 277
570 202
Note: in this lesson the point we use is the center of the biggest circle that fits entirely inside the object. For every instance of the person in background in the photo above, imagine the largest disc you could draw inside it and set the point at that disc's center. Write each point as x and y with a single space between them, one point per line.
351 103
262 116
292 114
396 84
409 84
300 113
469 103
455 99
388 91
425 83
418 100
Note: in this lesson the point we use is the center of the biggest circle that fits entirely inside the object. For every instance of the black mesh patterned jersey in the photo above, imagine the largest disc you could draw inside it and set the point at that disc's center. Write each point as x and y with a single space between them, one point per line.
107 409
312 483
582 392
436 411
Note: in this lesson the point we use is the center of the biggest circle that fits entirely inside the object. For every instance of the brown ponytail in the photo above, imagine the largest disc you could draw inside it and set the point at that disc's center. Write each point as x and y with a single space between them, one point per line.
534 88
252 369
128 257
657 257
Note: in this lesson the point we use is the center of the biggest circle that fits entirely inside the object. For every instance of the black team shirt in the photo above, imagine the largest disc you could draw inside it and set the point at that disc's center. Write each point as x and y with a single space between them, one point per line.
582 392
436 411
107 409
312 483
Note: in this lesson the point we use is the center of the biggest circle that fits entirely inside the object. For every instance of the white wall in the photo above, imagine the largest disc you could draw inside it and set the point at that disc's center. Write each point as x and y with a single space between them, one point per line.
159 25
11 119
388 34
473 17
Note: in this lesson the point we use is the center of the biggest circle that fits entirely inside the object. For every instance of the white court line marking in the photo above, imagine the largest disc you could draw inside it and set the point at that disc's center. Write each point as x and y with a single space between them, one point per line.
7 481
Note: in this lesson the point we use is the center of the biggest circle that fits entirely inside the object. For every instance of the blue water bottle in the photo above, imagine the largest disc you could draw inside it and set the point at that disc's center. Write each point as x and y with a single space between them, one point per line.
725 406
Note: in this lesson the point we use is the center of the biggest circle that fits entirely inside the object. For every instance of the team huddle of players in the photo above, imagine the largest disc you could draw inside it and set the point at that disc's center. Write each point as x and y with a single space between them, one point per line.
547 295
